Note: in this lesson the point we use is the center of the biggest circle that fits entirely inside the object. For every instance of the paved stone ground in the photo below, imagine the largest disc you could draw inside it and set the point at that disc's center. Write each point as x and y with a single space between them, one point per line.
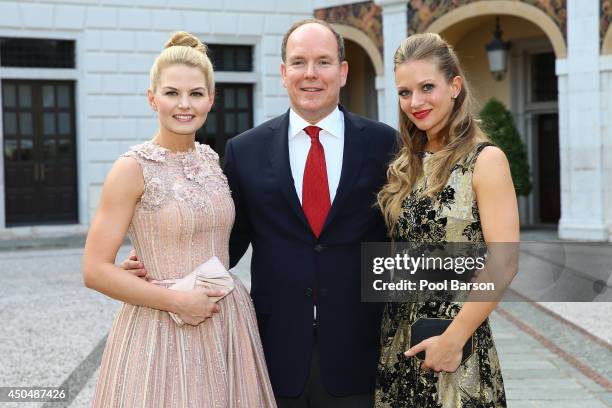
54 330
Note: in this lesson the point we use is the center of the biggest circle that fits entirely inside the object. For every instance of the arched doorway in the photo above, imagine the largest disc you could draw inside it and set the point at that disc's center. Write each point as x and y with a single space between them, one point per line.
359 94
529 89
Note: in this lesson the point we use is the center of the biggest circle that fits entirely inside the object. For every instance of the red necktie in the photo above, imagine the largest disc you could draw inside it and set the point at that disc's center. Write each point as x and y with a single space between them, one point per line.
315 189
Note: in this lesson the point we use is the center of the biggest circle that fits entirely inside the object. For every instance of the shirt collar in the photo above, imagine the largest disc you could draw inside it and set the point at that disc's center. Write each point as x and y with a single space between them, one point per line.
333 124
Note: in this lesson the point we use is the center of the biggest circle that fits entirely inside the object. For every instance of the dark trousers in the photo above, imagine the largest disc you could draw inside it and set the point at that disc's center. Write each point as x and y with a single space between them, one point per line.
315 395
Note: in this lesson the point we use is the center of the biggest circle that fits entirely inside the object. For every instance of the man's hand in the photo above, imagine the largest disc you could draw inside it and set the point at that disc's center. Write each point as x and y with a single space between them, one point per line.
133 265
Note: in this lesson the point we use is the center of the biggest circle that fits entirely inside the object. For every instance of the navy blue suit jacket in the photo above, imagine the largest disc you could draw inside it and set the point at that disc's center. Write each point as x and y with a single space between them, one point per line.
289 264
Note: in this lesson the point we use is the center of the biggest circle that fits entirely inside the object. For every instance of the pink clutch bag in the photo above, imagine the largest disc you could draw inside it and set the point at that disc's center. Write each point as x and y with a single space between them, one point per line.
211 274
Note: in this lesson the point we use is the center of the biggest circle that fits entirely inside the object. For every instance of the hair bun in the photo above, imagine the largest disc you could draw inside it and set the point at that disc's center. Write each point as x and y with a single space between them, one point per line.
185 39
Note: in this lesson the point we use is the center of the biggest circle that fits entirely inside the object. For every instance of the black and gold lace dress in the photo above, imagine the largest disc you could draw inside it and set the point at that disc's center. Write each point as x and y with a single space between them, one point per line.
450 216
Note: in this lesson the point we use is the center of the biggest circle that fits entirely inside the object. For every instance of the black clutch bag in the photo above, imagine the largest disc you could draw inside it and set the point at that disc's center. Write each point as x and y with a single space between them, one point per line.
426 327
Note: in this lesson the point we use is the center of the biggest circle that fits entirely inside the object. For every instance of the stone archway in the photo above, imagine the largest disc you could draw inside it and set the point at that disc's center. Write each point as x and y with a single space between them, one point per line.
359 37
537 43
366 70
505 7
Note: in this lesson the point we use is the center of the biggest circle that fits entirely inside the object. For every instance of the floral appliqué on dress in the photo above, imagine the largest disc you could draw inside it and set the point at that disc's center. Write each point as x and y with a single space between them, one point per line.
181 176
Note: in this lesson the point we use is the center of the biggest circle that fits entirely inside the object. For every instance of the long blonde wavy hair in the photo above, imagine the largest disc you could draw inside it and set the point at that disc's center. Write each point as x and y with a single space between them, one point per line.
459 136
183 48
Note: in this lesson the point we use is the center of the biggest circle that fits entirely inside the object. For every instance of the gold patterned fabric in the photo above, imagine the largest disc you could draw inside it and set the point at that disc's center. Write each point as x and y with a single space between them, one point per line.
449 216
184 217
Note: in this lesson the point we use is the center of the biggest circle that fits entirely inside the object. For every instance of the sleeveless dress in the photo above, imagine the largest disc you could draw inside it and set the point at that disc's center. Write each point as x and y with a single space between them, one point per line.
450 216
183 218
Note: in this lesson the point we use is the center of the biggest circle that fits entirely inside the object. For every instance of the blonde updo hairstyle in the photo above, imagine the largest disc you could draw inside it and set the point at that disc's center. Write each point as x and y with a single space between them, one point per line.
459 136
183 49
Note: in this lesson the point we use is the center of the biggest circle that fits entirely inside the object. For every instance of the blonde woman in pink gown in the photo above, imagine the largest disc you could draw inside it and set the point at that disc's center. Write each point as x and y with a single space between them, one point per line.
172 199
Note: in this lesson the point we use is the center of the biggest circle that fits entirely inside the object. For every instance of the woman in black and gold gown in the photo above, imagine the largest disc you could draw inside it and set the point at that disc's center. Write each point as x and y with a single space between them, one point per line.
447 184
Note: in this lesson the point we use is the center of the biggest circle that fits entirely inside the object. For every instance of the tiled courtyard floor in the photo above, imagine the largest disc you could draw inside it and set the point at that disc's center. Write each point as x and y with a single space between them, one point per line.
54 329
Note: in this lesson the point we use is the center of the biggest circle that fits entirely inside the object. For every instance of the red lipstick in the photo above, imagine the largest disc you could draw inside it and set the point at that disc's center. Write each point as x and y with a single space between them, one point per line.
421 114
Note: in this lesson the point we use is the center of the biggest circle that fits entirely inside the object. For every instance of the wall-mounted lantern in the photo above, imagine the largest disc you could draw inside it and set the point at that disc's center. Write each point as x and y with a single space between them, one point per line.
497 51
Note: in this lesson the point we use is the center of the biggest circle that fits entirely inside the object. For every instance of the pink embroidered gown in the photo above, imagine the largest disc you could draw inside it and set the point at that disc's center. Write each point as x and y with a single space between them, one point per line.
184 217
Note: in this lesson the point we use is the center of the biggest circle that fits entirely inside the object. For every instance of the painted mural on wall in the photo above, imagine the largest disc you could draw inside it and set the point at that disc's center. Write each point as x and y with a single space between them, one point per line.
605 18
365 16
422 13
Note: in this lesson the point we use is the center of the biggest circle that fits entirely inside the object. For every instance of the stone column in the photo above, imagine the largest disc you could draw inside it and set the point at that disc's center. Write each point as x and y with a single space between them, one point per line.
581 147
395 29
379 84
605 65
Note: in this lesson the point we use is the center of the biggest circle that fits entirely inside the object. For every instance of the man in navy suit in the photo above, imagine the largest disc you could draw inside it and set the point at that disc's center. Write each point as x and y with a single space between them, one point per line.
304 186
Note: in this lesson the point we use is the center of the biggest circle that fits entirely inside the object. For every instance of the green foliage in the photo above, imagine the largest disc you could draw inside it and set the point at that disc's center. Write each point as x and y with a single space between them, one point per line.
497 123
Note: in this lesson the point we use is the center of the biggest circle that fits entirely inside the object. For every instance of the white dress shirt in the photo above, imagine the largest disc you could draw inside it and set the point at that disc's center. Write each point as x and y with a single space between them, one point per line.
331 137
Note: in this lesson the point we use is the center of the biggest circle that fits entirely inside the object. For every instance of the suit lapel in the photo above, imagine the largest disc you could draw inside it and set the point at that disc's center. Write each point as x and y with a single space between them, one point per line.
279 156
352 159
